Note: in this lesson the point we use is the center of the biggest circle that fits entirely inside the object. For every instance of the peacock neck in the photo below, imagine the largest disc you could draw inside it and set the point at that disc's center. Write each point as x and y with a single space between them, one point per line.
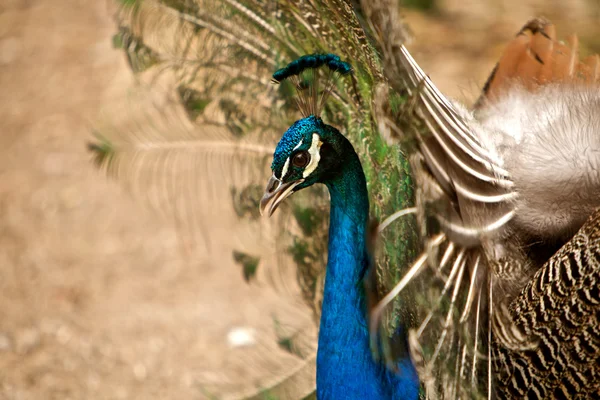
345 366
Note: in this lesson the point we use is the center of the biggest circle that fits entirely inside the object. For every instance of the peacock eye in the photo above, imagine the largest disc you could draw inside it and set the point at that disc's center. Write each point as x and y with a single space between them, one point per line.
300 159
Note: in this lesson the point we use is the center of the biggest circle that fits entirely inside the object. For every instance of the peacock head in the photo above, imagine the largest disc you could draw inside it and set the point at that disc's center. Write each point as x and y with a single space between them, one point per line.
309 152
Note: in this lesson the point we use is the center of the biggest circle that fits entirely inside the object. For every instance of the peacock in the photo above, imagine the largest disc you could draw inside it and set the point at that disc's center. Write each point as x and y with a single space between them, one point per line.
463 296
190 53
310 152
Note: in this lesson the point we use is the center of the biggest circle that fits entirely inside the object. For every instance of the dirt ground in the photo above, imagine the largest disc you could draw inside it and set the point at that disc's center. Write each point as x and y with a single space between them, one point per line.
96 299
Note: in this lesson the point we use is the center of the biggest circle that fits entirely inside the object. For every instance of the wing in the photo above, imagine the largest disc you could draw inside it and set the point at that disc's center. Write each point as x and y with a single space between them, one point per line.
196 139
471 267
464 202
533 59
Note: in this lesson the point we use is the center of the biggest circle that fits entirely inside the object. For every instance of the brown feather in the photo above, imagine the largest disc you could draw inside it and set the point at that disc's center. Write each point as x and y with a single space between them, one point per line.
534 58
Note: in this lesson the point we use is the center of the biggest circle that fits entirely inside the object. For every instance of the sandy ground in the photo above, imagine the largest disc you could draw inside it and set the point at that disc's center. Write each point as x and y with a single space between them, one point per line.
96 300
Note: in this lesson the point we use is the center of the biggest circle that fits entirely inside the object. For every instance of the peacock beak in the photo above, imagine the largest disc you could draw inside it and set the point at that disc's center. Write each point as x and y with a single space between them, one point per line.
275 193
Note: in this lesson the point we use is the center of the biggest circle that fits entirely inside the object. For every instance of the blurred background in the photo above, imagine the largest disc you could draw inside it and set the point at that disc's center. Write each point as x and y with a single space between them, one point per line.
96 298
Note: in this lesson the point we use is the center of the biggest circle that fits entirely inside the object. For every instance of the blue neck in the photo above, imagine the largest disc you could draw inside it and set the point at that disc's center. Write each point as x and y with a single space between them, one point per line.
345 366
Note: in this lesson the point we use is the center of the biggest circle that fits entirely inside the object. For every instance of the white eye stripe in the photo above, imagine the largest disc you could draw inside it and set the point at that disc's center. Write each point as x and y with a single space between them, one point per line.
286 166
315 155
